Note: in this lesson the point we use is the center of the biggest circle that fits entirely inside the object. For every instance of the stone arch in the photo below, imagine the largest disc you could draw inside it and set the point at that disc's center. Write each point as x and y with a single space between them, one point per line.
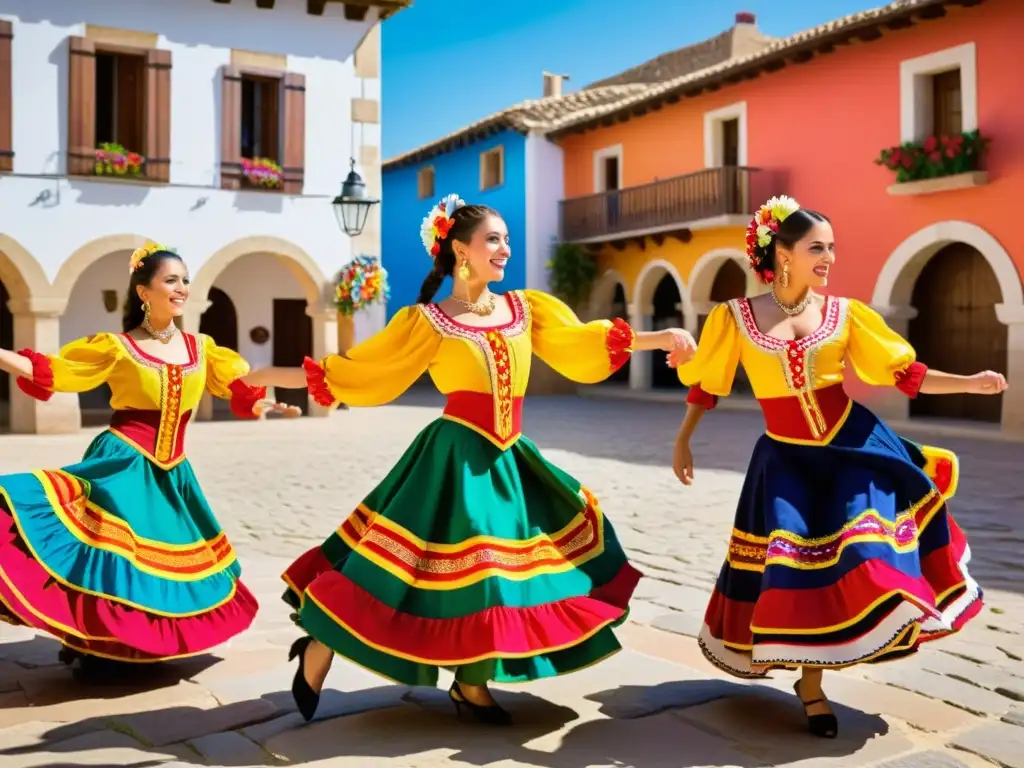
646 283
83 258
603 292
895 283
702 276
21 272
302 266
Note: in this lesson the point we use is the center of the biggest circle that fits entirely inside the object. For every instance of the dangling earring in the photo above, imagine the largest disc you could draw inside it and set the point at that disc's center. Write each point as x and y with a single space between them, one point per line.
785 275
464 271
145 310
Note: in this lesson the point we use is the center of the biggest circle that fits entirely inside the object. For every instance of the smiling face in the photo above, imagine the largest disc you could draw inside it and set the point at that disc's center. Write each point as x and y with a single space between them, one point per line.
168 291
811 258
487 252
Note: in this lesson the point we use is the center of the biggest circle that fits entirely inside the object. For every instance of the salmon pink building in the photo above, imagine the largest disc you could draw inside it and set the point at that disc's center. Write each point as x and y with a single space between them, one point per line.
902 124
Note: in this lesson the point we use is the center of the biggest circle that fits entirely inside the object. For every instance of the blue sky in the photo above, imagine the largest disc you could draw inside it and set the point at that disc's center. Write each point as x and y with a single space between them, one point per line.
446 63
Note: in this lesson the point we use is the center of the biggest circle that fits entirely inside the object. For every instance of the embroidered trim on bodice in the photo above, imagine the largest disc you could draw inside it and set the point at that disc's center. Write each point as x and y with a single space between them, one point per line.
493 342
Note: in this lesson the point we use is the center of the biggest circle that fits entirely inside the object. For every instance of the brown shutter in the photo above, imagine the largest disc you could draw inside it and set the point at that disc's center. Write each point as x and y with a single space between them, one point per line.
6 117
81 107
231 128
158 115
294 165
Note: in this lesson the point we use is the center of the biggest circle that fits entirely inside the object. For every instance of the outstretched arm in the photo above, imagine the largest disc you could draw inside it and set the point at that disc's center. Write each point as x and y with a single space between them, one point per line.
275 376
984 383
15 364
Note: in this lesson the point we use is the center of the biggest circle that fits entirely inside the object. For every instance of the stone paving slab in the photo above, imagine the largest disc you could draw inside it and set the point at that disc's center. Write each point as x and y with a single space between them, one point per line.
281 487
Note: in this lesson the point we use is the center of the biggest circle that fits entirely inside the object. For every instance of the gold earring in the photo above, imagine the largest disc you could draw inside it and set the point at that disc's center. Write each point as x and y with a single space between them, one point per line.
785 275
464 271
145 308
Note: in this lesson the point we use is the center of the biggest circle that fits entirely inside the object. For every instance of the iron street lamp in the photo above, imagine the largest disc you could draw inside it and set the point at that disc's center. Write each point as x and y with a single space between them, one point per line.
352 206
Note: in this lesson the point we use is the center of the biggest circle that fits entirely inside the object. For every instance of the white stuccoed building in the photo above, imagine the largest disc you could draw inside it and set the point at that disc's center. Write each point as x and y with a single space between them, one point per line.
194 86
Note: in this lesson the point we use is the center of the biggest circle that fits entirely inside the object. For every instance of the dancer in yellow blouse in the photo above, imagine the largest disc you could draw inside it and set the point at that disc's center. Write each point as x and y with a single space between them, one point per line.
475 553
120 556
843 550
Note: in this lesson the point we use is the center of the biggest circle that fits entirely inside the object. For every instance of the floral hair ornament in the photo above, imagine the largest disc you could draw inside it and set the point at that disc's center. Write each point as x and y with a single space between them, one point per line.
139 254
439 222
762 229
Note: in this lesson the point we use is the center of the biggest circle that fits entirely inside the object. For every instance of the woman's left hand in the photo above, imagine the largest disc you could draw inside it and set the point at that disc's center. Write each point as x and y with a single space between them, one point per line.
987 383
682 347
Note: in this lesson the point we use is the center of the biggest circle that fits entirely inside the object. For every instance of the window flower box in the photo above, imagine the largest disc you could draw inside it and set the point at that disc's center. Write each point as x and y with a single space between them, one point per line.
114 160
936 164
262 172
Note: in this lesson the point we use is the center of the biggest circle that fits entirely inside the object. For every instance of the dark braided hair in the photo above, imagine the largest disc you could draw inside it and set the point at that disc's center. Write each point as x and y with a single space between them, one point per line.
143 275
791 231
465 221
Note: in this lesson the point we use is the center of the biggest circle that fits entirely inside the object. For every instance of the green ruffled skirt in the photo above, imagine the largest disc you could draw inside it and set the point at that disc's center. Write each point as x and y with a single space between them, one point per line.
495 564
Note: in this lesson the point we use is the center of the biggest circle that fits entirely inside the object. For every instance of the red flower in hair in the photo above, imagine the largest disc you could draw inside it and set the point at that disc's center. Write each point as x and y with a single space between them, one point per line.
435 249
443 226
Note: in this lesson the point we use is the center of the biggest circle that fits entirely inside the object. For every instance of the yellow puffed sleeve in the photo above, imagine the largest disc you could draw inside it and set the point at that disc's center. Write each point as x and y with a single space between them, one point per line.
381 368
81 365
711 370
224 371
223 367
879 355
586 353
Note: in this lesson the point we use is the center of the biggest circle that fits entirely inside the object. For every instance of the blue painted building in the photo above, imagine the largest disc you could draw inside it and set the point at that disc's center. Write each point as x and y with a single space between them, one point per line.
491 172
504 161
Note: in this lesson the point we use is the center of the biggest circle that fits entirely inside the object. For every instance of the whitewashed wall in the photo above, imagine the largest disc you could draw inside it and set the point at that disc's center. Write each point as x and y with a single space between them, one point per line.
545 187
51 217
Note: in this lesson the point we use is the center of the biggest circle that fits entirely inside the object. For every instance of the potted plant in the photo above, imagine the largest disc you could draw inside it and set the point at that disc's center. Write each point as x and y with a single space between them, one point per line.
114 160
572 271
360 284
262 172
934 157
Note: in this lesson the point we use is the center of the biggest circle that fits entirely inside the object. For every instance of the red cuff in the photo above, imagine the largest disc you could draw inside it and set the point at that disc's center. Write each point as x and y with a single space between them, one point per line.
910 379
697 396
244 398
316 383
40 386
619 342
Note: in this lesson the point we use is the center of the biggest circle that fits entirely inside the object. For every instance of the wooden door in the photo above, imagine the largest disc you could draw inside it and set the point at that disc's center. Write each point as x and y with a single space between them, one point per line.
730 161
956 330
293 340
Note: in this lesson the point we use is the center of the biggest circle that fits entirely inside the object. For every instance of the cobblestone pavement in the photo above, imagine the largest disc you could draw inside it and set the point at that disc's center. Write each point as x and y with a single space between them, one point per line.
282 486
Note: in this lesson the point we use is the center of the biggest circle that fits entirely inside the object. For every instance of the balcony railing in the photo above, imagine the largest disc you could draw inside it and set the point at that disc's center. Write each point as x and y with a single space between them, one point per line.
661 205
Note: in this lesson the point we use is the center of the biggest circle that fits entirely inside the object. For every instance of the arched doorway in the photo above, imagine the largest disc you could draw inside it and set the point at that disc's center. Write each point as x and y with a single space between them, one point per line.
956 329
619 309
667 313
95 305
6 342
220 320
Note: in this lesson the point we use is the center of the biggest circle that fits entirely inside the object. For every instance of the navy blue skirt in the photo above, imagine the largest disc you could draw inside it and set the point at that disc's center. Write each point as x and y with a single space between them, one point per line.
840 554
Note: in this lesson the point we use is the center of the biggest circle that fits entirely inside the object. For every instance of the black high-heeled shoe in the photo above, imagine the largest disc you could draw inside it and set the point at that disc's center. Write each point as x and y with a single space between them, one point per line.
306 699
824 726
489 715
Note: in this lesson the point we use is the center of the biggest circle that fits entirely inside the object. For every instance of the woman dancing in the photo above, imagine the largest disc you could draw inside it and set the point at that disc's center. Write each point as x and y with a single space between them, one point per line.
119 556
474 553
842 550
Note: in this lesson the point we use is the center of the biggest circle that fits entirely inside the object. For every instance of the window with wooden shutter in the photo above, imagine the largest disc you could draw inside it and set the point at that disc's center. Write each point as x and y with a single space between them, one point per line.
294 165
158 115
947 104
425 182
81 107
492 167
231 129
6 102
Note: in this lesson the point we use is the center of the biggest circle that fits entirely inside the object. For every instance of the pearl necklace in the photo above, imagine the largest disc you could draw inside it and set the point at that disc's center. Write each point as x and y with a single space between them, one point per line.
164 336
482 307
793 309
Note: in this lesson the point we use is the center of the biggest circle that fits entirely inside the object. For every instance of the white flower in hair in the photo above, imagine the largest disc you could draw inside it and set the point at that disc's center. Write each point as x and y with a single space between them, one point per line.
438 222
